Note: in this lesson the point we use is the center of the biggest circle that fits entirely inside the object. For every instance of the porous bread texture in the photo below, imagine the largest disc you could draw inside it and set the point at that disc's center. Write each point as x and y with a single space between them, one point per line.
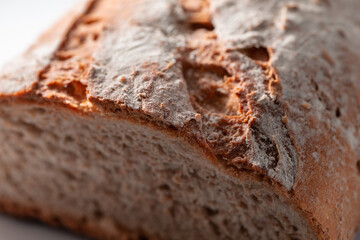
267 88
116 174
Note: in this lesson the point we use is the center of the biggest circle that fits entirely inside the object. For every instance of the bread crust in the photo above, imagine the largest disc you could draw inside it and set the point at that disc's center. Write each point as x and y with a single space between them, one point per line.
272 106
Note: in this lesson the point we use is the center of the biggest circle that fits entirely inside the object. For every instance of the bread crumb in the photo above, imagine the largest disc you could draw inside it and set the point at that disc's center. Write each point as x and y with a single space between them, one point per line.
170 64
122 106
142 95
198 117
306 106
162 105
86 104
327 57
160 74
284 119
134 73
122 79
211 35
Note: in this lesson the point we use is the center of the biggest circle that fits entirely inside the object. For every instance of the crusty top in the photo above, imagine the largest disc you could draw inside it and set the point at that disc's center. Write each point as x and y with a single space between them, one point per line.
270 86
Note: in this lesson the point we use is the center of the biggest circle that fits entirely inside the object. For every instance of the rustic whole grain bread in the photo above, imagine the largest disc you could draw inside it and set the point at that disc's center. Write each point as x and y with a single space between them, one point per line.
188 119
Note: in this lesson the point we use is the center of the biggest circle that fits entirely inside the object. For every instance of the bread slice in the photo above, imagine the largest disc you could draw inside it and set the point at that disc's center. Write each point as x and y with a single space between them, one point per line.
180 119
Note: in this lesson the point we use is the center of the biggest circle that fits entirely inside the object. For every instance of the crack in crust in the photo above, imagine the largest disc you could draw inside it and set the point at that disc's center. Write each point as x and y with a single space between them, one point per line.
233 104
64 79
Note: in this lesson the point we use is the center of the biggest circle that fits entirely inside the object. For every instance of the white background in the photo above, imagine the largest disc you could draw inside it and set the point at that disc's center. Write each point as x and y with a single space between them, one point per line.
21 21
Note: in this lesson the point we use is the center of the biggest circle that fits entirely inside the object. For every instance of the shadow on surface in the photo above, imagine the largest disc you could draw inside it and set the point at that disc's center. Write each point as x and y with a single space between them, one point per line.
357 237
16 229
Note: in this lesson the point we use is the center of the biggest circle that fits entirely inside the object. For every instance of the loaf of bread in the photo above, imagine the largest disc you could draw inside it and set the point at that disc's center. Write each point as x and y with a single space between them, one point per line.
188 119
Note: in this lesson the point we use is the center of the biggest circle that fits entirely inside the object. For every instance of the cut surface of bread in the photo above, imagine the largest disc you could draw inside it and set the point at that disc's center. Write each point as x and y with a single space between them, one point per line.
116 174
178 119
